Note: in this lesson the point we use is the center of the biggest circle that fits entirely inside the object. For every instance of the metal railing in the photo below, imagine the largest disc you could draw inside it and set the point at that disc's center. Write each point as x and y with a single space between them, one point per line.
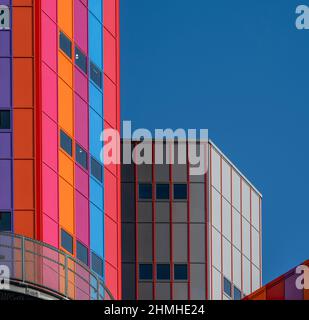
44 267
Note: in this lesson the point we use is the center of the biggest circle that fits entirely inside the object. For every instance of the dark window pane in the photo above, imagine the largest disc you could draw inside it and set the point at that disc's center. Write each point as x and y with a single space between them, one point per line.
80 60
163 191
65 44
96 75
96 170
237 294
81 252
97 264
66 143
66 241
145 271
180 272
5 221
227 287
5 120
145 191
81 156
180 192
163 272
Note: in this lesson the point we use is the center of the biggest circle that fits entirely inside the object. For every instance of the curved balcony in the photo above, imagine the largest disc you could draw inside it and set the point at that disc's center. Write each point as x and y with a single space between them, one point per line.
39 270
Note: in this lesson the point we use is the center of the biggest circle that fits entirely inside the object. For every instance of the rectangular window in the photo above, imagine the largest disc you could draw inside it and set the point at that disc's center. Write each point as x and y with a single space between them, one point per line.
66 241
96 170
163 191
81 252
5 119
237 294
81 156
180 192
65 44
96 75
227 287
145 191
5 222
145 271
180 272
97 264
80 59
66 143
163 272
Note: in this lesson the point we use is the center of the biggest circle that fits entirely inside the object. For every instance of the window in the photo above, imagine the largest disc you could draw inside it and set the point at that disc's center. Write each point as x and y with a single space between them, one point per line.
163 191
65 44
180 192
145 271
81 252
5 221
80 59
227 287
237 294
66 143
96 170
180 272
145 191
97 264
66 241
81 156
96 75
5 120
163 272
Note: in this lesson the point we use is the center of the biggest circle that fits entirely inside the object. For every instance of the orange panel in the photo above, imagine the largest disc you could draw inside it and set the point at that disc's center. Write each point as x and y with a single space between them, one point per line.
22 2
66 206
65 69
260 295
66 168
65 16
24 223
65 107
306 294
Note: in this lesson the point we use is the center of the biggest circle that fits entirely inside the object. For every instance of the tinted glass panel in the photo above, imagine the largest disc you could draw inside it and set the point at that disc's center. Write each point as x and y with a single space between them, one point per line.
237 294
66 241
97 264
163 191
65 44
5 221
180 191
163 272
66 143
96 75
81 252
96 170
81 156
80 60
180 272
5 120
145 191
227 287
145 271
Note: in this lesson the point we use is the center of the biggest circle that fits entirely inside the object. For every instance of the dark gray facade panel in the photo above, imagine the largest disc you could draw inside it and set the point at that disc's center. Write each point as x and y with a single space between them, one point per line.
144 173
180 243
128 242
163 291
162 243
197 277
127 173
162 173
145 291
128 281
180 212
197 202
162 211
197 243
179 173
144 211
128 202
180 291
145 242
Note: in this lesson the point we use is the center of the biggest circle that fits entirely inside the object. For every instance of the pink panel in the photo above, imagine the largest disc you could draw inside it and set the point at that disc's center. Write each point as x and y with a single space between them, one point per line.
110 106
50 269
50 192
81 123
110 56
109 12
49 92
82 218
50 231
110 195
80 25
111 279
49 43
49 142
81 84
81 181
50 8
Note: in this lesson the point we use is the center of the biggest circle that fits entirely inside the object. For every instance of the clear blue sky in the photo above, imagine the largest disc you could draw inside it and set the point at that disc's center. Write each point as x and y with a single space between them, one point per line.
240 69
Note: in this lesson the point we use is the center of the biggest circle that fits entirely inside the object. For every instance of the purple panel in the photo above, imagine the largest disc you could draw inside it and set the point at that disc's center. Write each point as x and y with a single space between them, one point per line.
80 25
82 218
81 122
5 40
81 181
5 185
5 143
81 84
5 2
5 83
291 292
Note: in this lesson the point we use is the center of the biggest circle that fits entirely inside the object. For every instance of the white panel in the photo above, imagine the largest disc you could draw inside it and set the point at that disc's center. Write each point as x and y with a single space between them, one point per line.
246 276
255 278
246 238
236 191
216 288
237 268
216 209
255 248
215 169
226 180
227 263
255 210
246 200
236 229
216 249
226 219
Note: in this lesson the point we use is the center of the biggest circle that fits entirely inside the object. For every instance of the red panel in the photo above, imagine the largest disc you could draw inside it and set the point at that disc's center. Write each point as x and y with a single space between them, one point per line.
110 56
110 102
109 17
276 291
111 245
